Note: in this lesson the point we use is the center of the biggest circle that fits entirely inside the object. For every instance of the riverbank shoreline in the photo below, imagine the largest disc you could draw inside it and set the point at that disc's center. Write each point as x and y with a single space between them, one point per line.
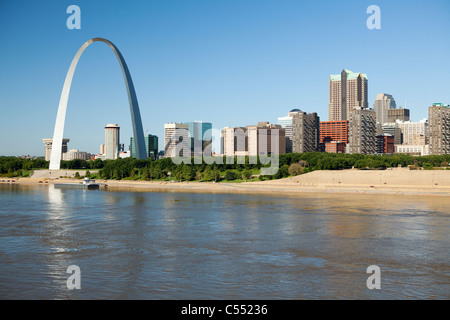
393 182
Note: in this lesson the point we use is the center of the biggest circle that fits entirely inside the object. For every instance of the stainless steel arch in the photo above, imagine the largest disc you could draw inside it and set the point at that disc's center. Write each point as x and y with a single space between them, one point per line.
138 132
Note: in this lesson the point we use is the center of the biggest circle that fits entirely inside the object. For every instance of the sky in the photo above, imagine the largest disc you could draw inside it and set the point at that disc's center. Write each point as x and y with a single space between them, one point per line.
228 62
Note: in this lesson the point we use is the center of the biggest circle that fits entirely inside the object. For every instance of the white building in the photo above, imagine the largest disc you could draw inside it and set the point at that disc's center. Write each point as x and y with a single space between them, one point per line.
414 133
417 150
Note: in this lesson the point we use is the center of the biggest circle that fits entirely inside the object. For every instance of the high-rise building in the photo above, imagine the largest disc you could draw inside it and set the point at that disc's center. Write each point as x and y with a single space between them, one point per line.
393 130
414 133
362 131
305 132
234 141
334 131
112 141
348 90
286 124
48 148
383 102
260 139
439 129
174 134
151 146
398 114
201 136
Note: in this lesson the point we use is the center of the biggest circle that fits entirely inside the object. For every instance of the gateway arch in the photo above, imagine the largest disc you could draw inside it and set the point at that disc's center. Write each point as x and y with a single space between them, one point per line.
138 132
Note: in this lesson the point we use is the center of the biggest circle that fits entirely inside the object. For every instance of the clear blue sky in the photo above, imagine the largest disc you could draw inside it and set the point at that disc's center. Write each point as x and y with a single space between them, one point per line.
229 62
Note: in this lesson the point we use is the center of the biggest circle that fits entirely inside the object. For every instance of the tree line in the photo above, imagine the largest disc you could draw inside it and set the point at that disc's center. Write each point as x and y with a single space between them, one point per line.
290 164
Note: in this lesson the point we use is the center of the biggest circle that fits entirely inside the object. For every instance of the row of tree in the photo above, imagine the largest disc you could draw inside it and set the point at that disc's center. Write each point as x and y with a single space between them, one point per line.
289 164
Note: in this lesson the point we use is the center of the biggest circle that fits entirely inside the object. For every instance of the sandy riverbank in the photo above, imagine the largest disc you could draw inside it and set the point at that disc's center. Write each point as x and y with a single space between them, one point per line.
396 181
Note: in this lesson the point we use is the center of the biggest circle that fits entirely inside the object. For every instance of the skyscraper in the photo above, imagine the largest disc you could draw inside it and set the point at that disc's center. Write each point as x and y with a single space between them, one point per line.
439 129
383 102
348 90
112 141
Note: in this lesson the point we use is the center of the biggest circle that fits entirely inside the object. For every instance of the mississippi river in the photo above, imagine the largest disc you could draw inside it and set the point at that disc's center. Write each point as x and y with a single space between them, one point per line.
143 245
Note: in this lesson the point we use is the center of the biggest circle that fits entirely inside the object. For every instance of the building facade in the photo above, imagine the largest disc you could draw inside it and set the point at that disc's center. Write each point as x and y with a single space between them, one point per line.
439 129
151 146
398 114
174 134
334 131
414 133
362 132
234 141
76 154
48 148
348 90
200 134
305 132
112 141
383 102
385 144
393 130
266 139
413 150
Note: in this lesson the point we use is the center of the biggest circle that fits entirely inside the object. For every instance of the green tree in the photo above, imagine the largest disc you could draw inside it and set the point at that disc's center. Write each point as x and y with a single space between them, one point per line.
77 175
246 174
230 175
295 169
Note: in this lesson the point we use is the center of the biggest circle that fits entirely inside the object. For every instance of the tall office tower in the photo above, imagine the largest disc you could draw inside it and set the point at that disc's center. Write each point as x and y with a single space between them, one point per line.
334 131
348 90
305 132
383 102
393 130
439 129
362 132
48 148
112 141
151 146
174 134
414 133
201 136
286 124
235 141
398 114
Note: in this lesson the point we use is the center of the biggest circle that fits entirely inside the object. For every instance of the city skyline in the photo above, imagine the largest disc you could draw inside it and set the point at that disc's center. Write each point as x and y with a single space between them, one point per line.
232 72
